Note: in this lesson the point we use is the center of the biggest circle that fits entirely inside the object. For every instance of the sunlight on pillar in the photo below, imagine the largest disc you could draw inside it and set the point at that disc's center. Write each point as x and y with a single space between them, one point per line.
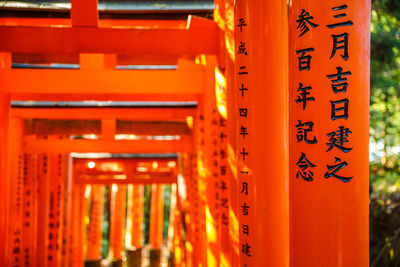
91 164
220 93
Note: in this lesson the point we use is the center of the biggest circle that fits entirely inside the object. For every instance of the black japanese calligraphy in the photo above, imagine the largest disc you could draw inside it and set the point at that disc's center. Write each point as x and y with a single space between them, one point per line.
338 138
303 163
303 128
340 109
304 60
304 21
339 82
304 95
333 169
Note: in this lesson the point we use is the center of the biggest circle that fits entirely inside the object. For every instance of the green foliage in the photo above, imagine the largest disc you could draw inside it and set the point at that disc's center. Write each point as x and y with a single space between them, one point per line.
385 133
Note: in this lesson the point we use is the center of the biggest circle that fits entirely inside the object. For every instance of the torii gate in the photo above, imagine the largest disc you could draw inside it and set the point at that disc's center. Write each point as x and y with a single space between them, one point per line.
267 181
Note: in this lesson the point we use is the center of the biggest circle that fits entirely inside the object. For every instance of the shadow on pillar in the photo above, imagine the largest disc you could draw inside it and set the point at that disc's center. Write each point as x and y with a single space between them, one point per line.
171 259
134 258
91 263
155 257
116 263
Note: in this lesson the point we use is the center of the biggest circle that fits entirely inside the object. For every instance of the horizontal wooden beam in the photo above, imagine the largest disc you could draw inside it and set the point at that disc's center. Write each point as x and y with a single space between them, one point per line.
83 126
104 97
102 23
139 113
96 82
32 145
192 41
171 180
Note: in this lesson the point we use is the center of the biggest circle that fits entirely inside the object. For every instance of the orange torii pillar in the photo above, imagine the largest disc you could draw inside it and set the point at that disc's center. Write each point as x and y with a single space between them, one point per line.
15 254
211 164
329 98
184 166
231 146
171 227
199 177
156 223
95 229
5 63
261 72
55 209
135 224
117 222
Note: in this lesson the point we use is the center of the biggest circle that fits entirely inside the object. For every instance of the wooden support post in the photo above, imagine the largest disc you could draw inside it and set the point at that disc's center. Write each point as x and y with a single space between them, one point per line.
5 63
329 99
137 216
263 119
117 221
134 225
93 251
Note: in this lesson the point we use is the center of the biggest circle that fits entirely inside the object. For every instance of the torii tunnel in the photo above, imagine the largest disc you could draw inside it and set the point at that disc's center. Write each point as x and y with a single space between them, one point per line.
225 133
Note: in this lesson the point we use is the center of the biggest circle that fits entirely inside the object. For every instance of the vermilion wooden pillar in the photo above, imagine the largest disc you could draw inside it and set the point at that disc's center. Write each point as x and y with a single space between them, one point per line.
137 216
329 98
199 176
263 117
171 227
5 63
93 251
15 226
56 176
211 163
156 216
117 224
231 128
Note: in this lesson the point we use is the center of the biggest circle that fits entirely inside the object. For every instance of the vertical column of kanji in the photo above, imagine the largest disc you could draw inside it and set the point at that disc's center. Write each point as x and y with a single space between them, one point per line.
224 192
201 183
262 84
54 216
29 210
117 224
93 252
329 97
43 206
221 171
231 132
5 63
244 113
67 213
16 197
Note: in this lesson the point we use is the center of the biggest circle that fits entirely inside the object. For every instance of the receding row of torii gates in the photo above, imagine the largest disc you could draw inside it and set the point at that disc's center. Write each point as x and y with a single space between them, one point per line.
260 135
